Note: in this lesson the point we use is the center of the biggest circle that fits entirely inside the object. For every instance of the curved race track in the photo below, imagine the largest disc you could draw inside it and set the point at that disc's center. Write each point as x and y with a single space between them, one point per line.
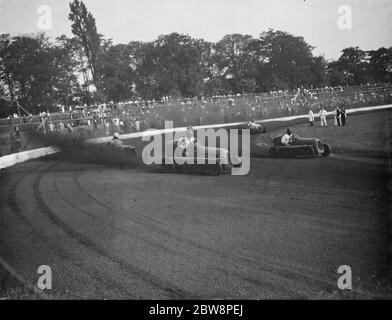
279 232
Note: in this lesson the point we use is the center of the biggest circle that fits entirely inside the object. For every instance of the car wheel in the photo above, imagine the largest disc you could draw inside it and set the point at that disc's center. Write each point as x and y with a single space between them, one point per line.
178 167
167 167
215 169
309 152
228 165
273 152
327 150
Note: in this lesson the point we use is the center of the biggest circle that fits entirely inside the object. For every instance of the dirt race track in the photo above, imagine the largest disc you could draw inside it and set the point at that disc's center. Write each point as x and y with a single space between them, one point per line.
282 231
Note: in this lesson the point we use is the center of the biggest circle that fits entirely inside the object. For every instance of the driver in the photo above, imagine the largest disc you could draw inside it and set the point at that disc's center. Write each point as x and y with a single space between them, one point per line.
116 142
185 142
288 137
254 126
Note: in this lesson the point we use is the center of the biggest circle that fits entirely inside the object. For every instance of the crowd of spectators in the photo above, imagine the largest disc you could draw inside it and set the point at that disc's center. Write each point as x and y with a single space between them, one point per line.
140 115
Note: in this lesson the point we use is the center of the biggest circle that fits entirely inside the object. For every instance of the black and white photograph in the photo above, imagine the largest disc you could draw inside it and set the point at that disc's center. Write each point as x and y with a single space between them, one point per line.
213 151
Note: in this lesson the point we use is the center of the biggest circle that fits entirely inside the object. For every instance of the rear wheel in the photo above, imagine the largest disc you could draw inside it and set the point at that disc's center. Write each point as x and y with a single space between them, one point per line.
273 152
215 169
167 167
178 167
228 165
309 152
327 150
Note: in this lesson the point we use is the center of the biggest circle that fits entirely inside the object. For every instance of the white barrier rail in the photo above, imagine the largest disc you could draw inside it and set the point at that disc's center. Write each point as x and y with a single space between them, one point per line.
233 124
12 159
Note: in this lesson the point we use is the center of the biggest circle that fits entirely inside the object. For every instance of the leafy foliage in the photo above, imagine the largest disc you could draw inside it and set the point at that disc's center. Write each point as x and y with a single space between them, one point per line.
87 68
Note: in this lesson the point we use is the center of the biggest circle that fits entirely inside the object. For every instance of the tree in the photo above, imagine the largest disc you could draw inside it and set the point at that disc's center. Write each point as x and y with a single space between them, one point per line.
352 67
286 61
179 65
31 68
174 65
118 75
66 58
380 64
37 73
234 61
8 100
144 64
84 28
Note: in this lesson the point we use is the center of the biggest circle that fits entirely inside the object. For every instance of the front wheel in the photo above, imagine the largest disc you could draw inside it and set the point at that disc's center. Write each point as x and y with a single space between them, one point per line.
327 150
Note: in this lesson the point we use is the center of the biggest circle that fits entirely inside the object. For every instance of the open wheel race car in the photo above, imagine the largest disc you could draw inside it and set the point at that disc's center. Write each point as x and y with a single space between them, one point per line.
299 147
256 128
213 160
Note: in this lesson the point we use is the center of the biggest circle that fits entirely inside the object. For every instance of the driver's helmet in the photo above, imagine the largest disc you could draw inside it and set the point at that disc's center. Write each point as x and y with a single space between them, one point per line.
289 131
116 136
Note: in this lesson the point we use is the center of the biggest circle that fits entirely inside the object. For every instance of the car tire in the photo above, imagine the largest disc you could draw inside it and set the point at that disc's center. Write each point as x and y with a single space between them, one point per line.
309 152
327 150
167 167
178 167
215 169
273 152
227 166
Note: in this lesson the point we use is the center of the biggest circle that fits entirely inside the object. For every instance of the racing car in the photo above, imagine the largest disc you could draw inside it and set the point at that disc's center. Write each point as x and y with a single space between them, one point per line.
211 160
107 153
256 128
299 147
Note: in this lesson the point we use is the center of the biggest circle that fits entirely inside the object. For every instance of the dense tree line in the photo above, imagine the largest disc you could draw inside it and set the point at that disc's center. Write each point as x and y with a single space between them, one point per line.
39 73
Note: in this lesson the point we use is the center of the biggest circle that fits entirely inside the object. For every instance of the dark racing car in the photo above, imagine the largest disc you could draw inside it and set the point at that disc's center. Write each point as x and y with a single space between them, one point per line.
299 147
189 155
211 160
254 127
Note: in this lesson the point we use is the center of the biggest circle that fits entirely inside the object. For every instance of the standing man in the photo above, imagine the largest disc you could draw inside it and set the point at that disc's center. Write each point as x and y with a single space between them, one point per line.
311 118
323 117
343 116
337 116
137 125
107 127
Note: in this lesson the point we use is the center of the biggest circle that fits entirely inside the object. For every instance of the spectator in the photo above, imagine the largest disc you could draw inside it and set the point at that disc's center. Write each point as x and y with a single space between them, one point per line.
69 128
51 126
323 117
337 116
107 127
311 118
343 116
137 125
18 140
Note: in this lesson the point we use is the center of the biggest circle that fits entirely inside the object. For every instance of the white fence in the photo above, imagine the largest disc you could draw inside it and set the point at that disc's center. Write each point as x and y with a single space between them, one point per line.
12 159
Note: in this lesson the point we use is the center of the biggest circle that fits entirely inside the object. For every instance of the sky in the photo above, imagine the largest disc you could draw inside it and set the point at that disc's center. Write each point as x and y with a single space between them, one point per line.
328 25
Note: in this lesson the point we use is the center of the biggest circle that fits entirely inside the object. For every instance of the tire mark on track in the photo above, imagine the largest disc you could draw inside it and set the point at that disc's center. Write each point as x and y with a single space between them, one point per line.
331 224
103 221
13 205
248 279
142 274
268 268
39 237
